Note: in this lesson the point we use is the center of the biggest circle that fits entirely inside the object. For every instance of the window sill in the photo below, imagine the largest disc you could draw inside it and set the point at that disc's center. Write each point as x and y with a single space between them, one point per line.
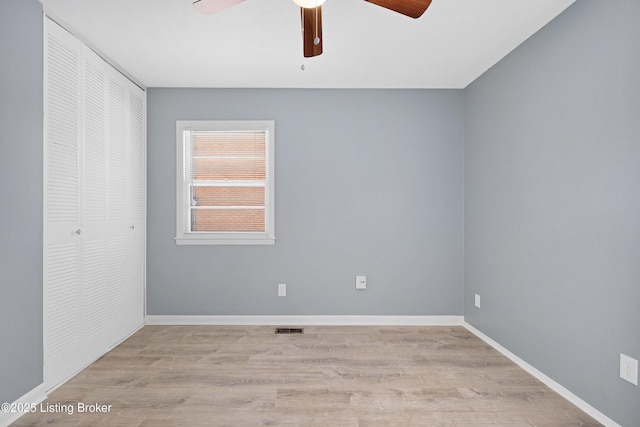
207 240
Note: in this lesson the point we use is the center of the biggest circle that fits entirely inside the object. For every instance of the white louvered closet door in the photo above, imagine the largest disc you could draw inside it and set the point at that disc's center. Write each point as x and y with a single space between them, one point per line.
95 225
94 206
136 207
125 249
62 228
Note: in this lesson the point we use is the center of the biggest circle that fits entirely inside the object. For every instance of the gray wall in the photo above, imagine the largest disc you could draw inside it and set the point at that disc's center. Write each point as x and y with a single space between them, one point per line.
552 171
552 202
367 182
21 193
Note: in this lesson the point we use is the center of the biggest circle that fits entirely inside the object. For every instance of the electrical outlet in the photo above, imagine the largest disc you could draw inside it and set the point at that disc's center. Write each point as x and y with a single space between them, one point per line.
477 301
361 282
629 369
282 289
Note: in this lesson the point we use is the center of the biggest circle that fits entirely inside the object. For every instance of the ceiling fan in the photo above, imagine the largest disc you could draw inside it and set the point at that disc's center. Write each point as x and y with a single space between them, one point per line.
311 16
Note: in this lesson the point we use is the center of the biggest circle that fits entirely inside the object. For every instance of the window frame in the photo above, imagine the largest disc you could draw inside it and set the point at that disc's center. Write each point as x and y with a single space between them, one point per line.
186 237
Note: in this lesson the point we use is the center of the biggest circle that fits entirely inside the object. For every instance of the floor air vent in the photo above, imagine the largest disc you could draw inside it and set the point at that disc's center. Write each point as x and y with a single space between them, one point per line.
289 331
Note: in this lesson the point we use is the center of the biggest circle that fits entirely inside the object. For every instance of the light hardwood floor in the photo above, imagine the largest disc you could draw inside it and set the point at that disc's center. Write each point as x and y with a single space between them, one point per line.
330 376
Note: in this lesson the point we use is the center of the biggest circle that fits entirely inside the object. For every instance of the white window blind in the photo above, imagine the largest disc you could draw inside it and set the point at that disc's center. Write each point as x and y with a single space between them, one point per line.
226 183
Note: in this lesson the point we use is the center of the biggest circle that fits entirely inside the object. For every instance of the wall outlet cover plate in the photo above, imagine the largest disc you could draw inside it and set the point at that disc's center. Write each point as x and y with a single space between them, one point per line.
629 369
282 289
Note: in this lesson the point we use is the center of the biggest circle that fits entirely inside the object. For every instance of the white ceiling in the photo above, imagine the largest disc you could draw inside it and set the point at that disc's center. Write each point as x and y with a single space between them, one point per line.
258 43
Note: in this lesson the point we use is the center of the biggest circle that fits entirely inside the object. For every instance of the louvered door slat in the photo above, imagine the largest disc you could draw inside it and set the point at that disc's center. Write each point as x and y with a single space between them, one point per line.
62 294
94 180
62 128
136 154
95 288
117 149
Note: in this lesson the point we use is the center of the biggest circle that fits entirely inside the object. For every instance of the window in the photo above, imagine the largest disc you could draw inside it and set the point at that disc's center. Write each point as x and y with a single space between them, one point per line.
225 185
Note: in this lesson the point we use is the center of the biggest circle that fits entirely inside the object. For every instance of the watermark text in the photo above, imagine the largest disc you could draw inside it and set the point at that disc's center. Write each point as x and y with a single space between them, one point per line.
57 408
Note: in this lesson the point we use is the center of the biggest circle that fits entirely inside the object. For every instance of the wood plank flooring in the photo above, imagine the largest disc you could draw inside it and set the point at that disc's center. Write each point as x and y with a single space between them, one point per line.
329 376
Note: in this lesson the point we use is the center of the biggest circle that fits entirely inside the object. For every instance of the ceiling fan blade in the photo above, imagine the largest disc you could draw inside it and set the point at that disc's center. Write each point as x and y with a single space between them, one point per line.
209 7
311 31
412 8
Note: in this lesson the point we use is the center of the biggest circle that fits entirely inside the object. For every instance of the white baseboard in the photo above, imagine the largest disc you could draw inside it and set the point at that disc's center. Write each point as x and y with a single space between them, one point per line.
553 385
307 320
34 396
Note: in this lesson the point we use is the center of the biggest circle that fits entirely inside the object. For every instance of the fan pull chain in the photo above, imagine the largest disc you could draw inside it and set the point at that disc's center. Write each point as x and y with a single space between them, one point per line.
316 40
